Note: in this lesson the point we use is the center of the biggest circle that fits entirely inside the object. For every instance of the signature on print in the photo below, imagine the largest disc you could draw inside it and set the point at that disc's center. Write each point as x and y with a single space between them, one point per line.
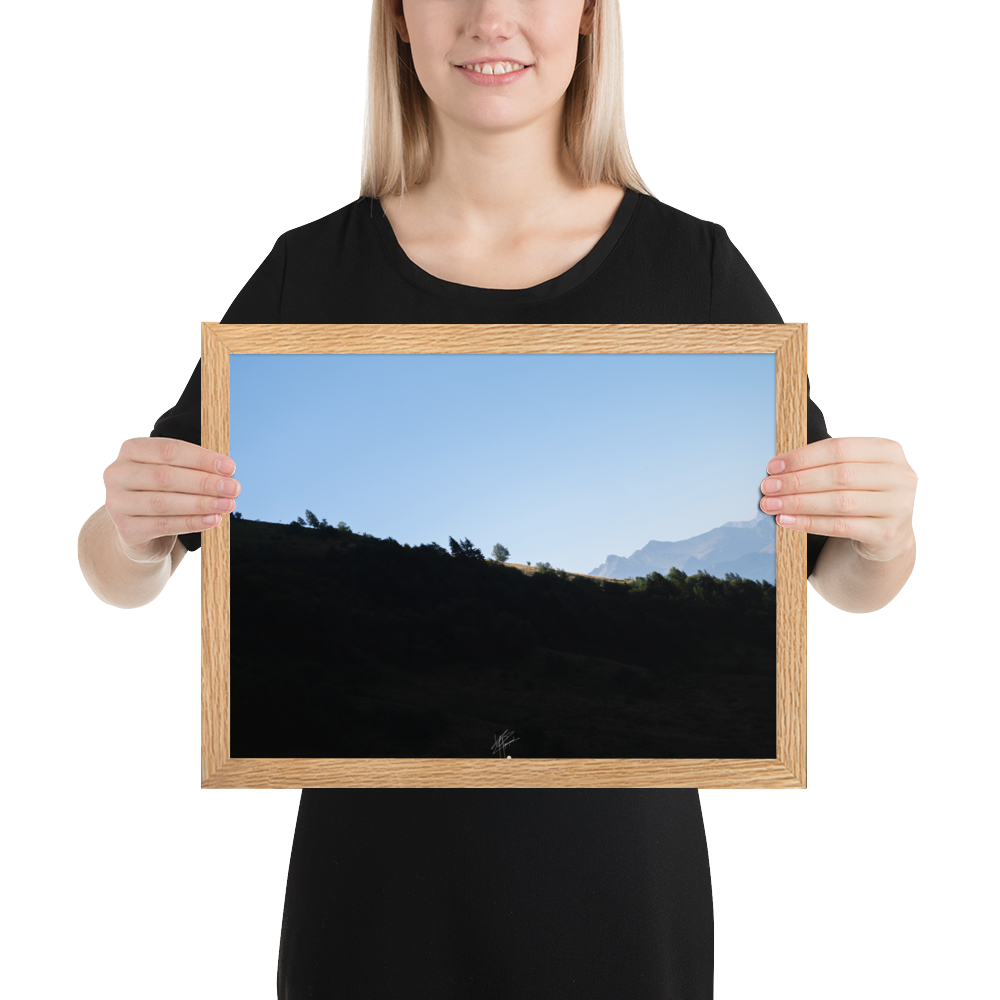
501 742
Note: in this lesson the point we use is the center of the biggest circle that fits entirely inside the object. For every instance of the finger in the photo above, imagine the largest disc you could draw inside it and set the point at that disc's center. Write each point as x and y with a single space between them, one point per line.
870 476
139 477
173 451
844 503
832 451
168 501
139 531
863 529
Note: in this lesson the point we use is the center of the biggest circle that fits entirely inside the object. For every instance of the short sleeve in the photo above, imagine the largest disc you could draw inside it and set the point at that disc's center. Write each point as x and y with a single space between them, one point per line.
260 299
737 296
183 421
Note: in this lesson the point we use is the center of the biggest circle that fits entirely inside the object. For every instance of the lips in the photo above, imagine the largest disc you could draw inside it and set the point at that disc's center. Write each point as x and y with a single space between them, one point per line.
494 67
494 79
491 57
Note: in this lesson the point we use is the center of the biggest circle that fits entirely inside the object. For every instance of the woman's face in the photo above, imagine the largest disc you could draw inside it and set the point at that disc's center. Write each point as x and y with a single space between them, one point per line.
457 43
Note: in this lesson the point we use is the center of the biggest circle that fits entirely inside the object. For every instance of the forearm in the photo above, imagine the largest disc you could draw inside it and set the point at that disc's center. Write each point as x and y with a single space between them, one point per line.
112 575
853 583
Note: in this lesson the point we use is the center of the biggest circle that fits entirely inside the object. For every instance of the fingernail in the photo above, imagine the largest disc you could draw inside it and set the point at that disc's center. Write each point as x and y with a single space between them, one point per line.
775 466
771 485
211 519
786 519
771 503
229 486
225 466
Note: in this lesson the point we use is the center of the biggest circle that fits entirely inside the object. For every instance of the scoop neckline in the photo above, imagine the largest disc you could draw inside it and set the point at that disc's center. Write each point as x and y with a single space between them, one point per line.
553 287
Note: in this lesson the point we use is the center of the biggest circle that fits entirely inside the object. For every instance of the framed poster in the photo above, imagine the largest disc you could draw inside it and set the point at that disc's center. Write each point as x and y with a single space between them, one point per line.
503 556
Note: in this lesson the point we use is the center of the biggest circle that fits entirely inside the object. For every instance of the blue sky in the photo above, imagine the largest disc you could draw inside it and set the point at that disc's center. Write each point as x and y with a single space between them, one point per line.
562 458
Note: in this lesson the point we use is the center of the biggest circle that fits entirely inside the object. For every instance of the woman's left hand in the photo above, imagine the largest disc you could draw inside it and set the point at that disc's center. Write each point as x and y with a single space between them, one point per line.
856 488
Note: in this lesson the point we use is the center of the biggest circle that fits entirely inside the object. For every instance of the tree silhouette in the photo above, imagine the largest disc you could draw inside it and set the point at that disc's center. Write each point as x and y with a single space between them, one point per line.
501 553
464 549
311 520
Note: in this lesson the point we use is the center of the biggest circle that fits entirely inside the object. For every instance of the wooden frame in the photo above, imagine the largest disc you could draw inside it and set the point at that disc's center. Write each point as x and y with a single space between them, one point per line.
787 770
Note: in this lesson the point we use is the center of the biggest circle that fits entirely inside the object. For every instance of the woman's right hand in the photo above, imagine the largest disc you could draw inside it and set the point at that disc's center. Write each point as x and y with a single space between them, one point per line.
158 488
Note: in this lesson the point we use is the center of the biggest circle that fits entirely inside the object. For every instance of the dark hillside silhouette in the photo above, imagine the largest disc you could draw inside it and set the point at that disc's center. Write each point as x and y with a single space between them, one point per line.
345 645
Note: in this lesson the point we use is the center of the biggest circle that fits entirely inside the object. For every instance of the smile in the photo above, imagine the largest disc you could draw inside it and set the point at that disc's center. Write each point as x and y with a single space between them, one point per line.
493 69
494 74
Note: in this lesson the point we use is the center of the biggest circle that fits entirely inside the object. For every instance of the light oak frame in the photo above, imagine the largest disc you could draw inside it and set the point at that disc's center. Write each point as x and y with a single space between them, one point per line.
787 770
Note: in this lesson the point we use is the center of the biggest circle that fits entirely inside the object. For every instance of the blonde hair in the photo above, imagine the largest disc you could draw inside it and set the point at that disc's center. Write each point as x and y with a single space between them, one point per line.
397 144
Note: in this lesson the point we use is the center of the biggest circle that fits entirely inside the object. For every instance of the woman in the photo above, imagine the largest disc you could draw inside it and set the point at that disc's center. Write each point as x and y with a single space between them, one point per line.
490 216
481 202
477 205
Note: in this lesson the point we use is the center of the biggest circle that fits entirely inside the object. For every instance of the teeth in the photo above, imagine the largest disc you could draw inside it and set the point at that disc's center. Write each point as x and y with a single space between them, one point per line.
495 69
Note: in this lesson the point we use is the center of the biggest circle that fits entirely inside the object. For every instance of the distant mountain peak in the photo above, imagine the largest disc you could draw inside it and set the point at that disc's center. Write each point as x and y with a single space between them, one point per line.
742 547
752 523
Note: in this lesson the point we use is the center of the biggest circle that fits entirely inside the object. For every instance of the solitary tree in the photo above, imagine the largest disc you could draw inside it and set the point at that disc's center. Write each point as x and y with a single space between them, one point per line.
501 553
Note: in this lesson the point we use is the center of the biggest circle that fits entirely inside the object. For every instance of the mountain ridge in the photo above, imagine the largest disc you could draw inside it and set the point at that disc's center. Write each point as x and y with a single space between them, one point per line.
743 547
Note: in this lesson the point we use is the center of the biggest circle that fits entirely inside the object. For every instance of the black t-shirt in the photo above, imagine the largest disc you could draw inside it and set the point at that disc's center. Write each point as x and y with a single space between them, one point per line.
653 265
498 893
